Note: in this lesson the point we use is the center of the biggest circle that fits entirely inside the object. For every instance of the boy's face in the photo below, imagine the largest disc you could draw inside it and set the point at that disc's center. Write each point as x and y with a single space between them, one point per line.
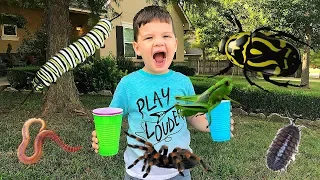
156 43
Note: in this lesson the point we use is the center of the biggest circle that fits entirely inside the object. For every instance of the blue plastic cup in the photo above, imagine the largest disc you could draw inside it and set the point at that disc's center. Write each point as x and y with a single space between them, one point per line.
220 122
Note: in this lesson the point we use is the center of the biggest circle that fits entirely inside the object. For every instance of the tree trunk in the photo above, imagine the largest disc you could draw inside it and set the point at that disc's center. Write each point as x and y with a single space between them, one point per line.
298 72
62 96
306 60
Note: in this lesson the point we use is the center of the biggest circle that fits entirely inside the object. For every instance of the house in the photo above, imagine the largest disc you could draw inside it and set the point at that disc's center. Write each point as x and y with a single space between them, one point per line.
119 42
12 33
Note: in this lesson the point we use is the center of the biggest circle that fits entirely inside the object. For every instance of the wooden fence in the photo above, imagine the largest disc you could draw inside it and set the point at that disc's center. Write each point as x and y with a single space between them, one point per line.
210 67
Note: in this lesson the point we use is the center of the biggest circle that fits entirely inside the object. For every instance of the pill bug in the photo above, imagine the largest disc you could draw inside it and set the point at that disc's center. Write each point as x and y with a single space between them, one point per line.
284 147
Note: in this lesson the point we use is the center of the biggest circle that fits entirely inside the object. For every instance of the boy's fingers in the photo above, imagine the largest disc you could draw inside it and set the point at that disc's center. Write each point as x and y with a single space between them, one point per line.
231 134
232 126
94 139
95 146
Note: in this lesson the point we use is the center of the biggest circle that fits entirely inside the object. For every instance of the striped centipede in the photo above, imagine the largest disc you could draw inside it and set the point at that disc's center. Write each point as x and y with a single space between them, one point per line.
284 147
38 142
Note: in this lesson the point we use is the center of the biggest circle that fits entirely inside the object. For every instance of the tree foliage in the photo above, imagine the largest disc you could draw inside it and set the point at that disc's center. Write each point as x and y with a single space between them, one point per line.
297 17
301 18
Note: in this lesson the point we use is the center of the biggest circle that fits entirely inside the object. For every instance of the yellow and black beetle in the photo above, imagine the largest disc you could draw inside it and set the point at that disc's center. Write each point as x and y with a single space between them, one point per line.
263 52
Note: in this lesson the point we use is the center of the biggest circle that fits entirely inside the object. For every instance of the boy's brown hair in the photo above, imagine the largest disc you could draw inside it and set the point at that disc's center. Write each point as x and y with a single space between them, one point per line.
148 14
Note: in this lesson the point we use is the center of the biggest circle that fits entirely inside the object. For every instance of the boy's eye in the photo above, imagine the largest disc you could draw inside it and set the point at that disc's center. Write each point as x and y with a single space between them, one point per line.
148 38
166 36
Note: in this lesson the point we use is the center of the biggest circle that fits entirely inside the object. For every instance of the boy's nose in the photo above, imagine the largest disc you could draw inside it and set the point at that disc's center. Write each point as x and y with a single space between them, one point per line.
159 42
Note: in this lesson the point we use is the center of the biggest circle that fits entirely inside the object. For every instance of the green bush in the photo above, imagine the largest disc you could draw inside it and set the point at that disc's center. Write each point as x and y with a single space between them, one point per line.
126 64
98 74
277 101
281 102
33 48
20 77
184 70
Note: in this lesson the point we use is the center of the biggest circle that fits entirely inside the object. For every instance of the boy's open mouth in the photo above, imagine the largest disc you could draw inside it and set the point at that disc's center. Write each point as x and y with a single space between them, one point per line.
159 57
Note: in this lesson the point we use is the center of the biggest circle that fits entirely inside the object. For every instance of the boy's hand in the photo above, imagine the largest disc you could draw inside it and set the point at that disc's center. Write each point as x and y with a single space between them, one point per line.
95 141
232 125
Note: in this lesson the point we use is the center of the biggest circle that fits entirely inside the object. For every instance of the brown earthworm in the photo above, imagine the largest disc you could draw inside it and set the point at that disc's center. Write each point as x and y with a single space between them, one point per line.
38 142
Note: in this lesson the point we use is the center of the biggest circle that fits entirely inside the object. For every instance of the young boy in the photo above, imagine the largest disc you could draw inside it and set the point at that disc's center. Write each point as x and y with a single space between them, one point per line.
147 96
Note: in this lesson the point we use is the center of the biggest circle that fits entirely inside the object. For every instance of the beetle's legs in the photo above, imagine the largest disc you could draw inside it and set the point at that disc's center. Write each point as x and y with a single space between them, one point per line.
282 33
234 20
225 70
249 80
284 84
237 22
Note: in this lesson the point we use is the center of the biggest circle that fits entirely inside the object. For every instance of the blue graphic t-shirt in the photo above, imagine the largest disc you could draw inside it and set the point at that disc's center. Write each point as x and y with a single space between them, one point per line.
148 100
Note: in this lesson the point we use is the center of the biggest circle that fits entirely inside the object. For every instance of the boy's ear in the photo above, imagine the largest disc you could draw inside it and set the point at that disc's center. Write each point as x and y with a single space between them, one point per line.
136 48
176 44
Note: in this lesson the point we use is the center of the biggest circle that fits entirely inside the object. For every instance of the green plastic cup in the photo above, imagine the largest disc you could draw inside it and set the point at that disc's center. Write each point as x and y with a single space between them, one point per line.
107 123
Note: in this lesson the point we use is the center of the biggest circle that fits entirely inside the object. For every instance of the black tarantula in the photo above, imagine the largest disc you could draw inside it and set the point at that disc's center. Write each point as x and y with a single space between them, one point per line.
179 158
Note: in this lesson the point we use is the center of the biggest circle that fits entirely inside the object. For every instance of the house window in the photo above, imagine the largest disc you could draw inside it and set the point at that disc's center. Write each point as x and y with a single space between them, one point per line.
9 32
128 40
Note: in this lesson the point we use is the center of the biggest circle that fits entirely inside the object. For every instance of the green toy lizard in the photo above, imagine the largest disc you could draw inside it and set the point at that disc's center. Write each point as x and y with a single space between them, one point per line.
206 101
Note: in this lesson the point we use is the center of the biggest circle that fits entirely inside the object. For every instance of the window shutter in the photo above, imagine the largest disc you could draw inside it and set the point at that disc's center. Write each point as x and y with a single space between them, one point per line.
120 43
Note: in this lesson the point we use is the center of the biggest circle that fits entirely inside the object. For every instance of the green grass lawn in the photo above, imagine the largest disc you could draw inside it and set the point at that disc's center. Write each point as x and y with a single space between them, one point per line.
241 158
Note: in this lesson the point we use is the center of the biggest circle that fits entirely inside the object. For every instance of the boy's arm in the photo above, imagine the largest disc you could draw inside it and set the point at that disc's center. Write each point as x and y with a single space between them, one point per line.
199 122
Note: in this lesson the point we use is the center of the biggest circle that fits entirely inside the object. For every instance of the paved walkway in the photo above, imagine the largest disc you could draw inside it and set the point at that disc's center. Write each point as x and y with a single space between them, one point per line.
3 80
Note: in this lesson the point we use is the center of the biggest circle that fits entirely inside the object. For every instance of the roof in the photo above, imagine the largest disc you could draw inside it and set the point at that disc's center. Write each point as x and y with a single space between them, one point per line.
183 16
194 51
79 8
